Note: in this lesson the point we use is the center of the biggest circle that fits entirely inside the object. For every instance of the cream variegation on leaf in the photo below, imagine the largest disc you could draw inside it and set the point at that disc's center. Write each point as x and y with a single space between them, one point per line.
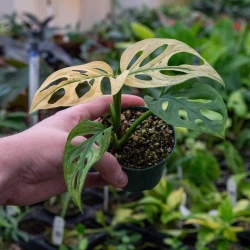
153 68
93 73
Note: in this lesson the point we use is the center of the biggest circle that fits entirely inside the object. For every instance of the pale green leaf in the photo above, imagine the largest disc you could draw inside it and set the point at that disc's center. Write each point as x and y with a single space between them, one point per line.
206 236
193 99
121 215
204 220
167 216
237 103
233 158
174 199
226 211
241 208
78 159
83 244
142 31
156 72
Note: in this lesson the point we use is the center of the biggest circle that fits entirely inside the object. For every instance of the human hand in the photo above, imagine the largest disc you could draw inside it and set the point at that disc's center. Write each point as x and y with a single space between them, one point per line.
37 172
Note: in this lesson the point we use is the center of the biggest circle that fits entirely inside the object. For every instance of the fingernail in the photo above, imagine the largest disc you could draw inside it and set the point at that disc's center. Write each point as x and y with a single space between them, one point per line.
122 181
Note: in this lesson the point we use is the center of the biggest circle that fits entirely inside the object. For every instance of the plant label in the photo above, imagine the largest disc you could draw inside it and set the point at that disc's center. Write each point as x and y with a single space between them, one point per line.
180 172
213 212
57 230
232 190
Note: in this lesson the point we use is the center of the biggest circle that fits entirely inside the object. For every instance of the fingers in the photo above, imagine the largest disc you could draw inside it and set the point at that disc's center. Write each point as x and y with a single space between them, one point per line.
95 180
111 171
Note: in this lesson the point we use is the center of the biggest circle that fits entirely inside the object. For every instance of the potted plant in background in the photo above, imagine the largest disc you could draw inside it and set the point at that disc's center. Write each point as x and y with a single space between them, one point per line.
183 102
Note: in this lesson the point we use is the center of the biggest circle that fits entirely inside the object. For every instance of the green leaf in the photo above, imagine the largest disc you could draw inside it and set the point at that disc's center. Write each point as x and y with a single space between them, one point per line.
226 210
80 228
167 216
142 31
239 178
237 103
205 236
83 244
174 199
243 138
79 159
245 189
242 208
203 168
233 158
198 100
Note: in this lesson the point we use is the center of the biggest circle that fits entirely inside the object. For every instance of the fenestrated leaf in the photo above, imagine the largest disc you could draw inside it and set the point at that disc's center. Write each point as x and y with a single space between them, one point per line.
156 72
80 158
68 79
198 100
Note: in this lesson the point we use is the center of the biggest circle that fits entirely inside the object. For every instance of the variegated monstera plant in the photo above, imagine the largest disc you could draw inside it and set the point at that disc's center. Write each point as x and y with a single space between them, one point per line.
204 108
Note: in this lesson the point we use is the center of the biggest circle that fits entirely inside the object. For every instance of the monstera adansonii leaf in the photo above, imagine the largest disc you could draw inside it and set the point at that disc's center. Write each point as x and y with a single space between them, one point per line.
148 64
79 158
67 80
196 106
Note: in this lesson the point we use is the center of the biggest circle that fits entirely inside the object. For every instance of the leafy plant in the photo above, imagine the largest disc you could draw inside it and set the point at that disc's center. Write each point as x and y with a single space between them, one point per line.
75 239
159 206
220 229
12 121
9 226
121 240
198 100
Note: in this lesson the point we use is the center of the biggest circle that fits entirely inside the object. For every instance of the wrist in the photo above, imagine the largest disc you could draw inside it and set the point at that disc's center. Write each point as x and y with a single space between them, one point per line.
10 165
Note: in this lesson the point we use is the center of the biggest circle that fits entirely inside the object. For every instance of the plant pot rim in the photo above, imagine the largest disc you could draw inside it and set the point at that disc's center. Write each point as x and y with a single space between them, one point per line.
159 163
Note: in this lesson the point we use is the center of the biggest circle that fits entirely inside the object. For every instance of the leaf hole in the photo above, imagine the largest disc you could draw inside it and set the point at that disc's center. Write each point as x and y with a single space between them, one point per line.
102 70
164 105
82 72
106 86
76 180
82 88
211 115
75 160
54 83
144 77
134 59
200 124
153 54
184 58
85 161
56 96
172 72
199 100
76 141
183 114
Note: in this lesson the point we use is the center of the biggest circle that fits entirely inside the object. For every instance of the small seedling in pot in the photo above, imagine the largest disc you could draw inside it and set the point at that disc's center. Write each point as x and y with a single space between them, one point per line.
143 65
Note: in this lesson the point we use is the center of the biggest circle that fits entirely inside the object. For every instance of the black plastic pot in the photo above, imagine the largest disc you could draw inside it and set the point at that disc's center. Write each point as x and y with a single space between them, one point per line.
147 178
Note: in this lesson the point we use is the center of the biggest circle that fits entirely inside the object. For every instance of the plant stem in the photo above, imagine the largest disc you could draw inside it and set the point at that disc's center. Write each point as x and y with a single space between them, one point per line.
117 107
137 122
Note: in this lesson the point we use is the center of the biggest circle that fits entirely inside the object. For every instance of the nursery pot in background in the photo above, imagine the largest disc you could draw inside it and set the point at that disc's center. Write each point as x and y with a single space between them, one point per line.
145 178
